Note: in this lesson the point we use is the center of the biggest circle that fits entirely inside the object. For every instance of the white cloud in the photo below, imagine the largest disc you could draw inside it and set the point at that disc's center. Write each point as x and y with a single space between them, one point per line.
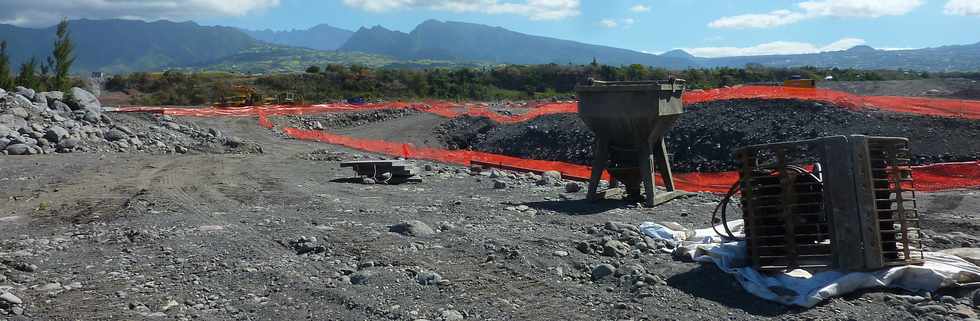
774 48
610 23
533 9
640 8
39 13
962 7
821 8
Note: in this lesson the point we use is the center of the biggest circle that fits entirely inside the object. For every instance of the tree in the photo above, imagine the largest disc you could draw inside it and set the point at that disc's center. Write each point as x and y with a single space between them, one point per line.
314 69
27 76
5 80
63 57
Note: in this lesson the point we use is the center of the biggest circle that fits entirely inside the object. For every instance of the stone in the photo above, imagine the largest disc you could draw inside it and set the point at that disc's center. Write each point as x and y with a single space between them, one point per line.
55 134
452 315
929 309
92 116
428 278
115 135
549 178
23 102
10 298
367 181
560 253
969 254
126 130
361 277
83 99
214 132
68 144
181 149
412 228
573 187
19 113
976 299
615 248
18 149
499 184
26 92
602 270
60 107
52 96
3 142
13 122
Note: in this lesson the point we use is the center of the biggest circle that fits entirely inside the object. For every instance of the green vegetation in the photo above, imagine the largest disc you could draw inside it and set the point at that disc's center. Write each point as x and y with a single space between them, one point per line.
336 81
5 80
63 58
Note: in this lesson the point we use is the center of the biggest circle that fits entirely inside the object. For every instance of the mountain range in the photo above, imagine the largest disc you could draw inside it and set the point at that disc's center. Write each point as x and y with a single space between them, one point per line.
129 45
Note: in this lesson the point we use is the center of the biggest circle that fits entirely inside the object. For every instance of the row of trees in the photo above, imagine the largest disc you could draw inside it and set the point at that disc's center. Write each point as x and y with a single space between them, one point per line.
337 81
50 75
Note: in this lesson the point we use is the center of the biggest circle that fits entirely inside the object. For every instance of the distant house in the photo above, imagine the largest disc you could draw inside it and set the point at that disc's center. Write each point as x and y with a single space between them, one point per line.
98 75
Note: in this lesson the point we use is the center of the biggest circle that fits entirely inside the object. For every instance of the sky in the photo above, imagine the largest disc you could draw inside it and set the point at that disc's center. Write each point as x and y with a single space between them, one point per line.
707 28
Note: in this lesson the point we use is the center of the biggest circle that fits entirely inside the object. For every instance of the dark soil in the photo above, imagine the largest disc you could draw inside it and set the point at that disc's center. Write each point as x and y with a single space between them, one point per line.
707 134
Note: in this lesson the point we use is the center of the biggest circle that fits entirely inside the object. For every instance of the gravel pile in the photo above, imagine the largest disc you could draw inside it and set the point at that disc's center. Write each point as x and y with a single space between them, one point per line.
347 119
707 134
55 122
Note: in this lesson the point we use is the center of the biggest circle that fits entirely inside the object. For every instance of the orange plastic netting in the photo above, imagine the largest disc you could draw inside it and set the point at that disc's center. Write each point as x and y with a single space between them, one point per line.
928 178
969 109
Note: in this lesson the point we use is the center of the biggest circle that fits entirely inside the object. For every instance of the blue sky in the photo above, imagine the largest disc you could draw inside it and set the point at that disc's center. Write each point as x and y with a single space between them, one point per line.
704 27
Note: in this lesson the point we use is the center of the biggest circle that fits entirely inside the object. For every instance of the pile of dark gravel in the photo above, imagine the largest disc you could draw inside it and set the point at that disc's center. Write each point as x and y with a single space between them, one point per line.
708 133
347 119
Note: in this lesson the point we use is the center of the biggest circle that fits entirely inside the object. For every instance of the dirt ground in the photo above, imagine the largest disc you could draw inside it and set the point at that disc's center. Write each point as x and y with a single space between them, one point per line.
275 235
937 87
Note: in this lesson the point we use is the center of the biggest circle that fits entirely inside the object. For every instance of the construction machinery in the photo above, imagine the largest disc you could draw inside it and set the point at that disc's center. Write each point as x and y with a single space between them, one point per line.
242 96
629 119
839 202
798 81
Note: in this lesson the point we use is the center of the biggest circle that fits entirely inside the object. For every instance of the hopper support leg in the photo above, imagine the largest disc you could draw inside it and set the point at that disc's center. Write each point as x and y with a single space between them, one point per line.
646 170
664 165
599 164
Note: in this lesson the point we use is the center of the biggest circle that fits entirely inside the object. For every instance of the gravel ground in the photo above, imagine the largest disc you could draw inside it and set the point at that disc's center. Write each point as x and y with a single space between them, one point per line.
705 137
938 87
281 235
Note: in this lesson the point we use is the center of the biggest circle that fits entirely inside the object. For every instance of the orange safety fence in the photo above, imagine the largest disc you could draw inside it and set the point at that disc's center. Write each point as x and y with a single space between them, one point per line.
969 109
927 178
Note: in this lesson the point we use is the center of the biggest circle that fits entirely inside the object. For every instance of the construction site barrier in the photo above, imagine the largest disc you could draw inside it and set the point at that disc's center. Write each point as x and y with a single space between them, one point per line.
927 178
969 109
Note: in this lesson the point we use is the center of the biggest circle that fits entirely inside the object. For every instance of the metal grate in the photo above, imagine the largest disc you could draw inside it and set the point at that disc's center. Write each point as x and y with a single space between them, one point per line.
832 202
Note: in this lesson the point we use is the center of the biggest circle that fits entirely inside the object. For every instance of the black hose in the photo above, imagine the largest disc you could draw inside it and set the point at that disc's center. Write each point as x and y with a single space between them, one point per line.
723 204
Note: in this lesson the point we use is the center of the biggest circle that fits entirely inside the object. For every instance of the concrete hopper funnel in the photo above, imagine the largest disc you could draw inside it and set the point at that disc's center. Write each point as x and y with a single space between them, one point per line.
629 119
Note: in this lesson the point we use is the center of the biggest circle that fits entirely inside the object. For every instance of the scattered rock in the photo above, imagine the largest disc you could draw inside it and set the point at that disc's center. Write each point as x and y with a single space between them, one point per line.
976 299
560 253
84 100
428 278
55 134
412 228
451 315
361 277
26 92
573 187
19 113
602 270
115 135
367 181
10 298
615 248
549 178
499 184
971 255
18 149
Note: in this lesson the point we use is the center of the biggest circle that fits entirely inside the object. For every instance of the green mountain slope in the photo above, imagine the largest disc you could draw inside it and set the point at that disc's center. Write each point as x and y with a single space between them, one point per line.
320 37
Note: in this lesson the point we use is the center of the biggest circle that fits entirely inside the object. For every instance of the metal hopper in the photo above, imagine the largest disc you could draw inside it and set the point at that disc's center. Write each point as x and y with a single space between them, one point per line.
629 119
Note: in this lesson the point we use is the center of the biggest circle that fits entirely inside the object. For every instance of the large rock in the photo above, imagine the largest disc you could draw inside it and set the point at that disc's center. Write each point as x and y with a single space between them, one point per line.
969 254
60 107
13 122
55 134
3 145
51 96
412 228
602 270
26 92
18 149
115 134
68 144
3 92
19 112
22 102
83 99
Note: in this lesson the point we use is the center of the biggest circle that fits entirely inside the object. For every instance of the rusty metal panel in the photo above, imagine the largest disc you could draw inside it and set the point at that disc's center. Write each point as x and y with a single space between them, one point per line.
841 202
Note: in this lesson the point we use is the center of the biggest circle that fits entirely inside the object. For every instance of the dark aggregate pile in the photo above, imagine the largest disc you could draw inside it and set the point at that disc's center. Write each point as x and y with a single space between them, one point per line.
707 134
348 119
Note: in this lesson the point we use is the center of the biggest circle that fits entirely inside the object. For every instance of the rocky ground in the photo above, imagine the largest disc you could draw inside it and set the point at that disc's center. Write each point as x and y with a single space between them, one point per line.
52 122
960 88
282 234
706 135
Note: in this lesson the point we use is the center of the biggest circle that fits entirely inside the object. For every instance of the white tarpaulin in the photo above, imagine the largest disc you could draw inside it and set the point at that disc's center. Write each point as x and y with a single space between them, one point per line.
799 287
